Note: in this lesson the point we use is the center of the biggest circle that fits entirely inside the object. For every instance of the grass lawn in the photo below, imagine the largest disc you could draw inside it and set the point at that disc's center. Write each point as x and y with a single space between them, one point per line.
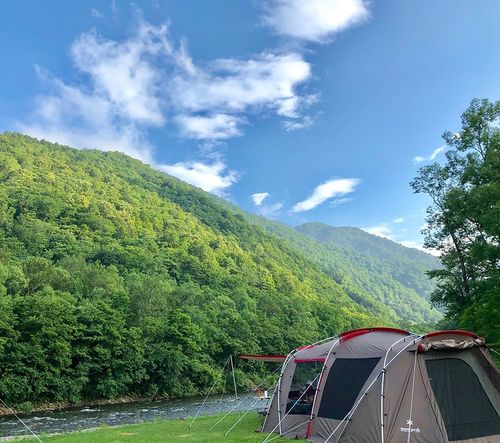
171 431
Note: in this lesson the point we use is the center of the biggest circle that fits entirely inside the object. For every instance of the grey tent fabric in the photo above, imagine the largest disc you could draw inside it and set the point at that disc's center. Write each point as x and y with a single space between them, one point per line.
386 385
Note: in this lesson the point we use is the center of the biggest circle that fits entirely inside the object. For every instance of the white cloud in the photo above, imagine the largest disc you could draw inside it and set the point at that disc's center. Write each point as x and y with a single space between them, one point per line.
419 246
96 13
399 220
211 127
212 177
119 101
314 20
259 197
146 80
293 125
339 201
71 116
234 86
325 191
124 72
418 159
271 211
381 230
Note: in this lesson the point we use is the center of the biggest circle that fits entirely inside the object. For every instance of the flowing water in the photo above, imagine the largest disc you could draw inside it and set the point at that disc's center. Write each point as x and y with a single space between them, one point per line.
112 415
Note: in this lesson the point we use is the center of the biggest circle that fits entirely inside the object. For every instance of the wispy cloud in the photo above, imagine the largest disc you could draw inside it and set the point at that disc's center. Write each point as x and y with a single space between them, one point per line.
398 220
419 246
259 197
212 177
418 159
148 81
381 230
120 101
314 20
339 201
325 191
293 125
271 211
96 13
211 127
232 88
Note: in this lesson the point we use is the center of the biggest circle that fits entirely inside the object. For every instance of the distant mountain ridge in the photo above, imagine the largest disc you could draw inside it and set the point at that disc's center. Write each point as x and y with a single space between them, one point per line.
376 273
407 265
363 242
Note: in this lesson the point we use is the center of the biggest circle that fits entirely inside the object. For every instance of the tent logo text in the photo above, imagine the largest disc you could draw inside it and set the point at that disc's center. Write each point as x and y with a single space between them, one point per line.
410 429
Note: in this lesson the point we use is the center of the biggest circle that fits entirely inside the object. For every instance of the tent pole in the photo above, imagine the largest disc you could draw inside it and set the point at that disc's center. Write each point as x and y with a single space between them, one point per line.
410 422
290 430
277 391
323 369
278 387
382 386
496 352
234 378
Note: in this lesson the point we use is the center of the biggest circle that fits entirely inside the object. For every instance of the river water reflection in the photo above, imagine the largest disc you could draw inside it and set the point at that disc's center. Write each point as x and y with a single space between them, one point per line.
112 415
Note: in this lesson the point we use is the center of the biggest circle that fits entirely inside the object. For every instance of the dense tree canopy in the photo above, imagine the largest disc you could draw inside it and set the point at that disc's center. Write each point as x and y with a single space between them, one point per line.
112 283
464 221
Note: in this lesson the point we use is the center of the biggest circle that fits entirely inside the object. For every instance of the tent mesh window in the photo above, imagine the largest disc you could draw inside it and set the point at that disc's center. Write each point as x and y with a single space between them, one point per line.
346 378
305 373
466 409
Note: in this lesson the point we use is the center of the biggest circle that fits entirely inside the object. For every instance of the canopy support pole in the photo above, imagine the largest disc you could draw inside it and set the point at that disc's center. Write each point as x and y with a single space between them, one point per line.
234 378
261 385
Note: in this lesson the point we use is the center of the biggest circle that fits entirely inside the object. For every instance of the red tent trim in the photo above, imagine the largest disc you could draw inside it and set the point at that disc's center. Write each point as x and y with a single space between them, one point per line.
452 331
354 333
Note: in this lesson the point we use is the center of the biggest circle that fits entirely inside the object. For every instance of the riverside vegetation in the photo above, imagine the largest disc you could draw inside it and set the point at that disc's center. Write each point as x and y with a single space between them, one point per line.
118 280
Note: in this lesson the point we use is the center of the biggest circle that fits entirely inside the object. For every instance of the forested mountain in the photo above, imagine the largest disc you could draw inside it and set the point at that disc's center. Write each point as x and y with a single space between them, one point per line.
398 285
116 279
406 265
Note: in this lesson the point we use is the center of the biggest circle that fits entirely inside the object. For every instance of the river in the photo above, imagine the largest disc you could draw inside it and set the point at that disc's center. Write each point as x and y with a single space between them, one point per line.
112 415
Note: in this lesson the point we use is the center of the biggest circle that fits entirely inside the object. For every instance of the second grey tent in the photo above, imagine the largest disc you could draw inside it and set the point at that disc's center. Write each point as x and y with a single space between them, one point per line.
386 385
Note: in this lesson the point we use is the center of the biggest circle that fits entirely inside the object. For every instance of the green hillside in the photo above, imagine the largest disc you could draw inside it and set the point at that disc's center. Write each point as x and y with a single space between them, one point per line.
118 280
406 265
391 281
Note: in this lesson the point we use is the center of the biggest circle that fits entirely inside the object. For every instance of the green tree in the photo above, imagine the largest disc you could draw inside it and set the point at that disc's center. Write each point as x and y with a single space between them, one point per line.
463 221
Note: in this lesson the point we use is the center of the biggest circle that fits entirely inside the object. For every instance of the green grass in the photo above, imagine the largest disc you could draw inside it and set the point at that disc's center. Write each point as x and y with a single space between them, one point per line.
171 431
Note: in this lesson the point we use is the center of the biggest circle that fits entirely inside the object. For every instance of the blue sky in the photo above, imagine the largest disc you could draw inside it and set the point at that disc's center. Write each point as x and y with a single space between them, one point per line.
300 111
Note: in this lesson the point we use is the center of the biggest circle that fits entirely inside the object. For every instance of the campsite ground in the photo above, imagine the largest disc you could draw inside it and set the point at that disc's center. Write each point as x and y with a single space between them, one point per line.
170 431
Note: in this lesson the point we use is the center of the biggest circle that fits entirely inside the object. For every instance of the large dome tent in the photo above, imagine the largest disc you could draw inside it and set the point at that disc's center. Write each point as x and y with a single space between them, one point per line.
386 385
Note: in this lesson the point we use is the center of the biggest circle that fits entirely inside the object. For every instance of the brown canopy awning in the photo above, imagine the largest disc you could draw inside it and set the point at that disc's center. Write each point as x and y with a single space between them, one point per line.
267 358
